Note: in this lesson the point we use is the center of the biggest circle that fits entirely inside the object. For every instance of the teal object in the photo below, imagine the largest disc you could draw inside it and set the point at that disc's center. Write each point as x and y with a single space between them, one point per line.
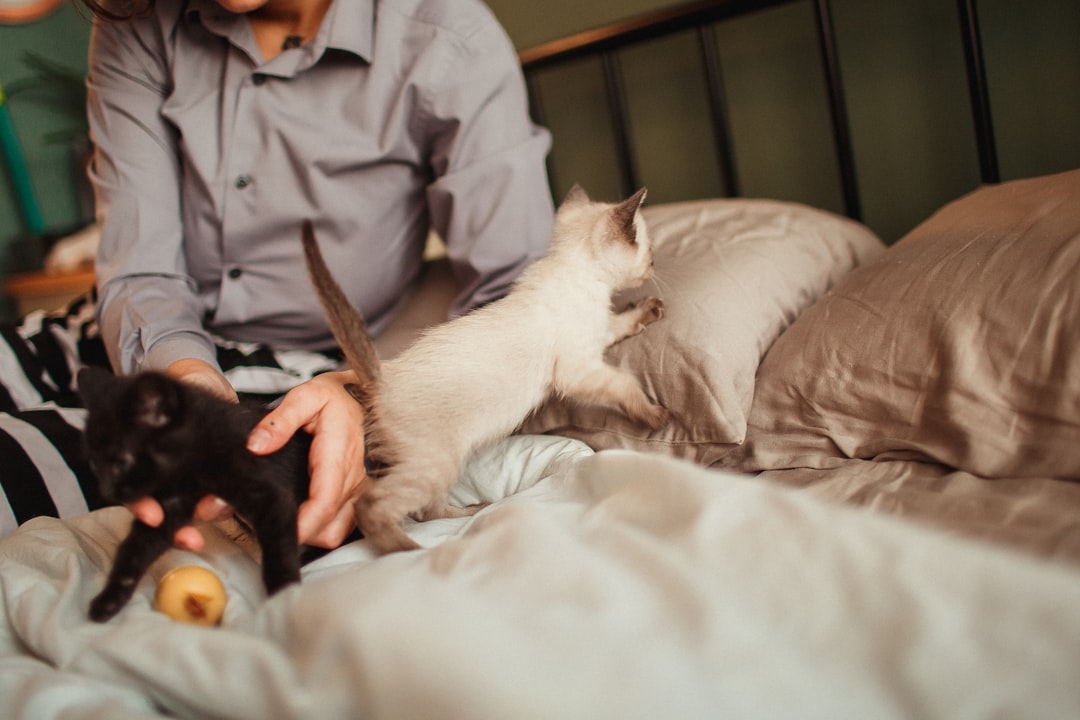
20 175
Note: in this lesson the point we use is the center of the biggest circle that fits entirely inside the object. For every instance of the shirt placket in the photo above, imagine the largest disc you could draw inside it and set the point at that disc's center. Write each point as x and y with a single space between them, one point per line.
240 177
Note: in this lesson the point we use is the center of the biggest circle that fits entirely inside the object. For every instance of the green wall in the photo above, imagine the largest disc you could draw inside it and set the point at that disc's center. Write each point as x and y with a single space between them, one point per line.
44 120
904 77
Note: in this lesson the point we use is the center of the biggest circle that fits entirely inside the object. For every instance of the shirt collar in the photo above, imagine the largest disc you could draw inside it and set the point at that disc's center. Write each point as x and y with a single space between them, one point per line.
349 25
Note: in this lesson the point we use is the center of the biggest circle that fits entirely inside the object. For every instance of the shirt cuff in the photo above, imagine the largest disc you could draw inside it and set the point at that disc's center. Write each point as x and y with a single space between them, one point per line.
179 346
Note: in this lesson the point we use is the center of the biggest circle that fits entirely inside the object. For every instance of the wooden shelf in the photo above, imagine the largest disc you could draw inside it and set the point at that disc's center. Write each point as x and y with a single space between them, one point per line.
47 291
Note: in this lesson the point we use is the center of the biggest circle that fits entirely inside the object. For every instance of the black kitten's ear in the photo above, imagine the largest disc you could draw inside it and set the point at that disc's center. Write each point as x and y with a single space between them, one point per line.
155 401
93 383
625 211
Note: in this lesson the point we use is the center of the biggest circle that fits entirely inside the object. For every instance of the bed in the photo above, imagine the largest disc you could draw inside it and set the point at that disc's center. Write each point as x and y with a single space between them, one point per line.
866 503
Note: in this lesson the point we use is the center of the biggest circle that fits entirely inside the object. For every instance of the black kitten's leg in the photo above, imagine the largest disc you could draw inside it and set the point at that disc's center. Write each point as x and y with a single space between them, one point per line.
275 529
142 546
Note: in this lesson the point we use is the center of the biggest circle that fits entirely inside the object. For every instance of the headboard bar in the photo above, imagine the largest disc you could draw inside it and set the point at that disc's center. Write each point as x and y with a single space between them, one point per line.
980 94
714 78
620 119
605 42
637 29
845 155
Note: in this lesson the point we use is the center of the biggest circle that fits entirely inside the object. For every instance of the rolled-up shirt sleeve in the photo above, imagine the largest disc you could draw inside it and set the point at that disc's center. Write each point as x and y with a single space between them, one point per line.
490 199
148 310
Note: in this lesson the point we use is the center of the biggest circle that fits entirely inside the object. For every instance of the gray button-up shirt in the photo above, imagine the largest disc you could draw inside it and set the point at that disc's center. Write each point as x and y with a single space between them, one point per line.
398 116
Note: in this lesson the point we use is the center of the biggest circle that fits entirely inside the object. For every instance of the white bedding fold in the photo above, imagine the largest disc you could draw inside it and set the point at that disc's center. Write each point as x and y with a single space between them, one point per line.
609 585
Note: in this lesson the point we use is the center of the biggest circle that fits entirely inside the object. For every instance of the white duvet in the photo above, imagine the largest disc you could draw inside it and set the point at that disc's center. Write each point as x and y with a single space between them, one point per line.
616 585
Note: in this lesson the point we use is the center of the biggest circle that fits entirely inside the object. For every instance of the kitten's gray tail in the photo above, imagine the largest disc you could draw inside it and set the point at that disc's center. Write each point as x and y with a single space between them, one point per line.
348 325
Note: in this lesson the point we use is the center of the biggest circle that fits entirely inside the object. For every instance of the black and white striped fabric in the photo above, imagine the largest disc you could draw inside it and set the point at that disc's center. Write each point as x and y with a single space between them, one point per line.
43 470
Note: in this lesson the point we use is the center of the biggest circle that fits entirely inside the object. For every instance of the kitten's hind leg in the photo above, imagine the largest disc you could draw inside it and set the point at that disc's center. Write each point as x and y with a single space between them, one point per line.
446 510
634 318
275 529
612 387
379 515
416 490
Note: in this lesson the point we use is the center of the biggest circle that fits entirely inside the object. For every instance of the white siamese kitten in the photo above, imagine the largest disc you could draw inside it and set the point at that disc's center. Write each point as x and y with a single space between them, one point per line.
471 381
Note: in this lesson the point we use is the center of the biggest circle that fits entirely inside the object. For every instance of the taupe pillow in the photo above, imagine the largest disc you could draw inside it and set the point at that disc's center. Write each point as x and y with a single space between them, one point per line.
960 345
732 274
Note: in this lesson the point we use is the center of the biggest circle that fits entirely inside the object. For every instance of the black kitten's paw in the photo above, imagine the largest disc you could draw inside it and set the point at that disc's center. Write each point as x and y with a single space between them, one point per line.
276 579
103 608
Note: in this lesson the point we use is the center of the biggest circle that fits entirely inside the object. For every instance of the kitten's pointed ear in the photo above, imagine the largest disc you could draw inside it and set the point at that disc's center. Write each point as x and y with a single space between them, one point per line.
576 195
156 401
626 210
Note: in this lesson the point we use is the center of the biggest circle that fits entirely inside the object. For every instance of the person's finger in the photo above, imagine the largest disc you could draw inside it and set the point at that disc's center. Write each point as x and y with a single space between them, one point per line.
211 508
337 478
327 516
272 432
333 533
335 463
189 538
148 511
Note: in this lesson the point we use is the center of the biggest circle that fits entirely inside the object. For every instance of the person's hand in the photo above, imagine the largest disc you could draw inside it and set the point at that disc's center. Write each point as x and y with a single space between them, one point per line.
203 375
210 508
325 409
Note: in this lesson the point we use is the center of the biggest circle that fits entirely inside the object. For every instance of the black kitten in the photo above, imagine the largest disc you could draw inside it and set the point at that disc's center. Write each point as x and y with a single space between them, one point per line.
151 435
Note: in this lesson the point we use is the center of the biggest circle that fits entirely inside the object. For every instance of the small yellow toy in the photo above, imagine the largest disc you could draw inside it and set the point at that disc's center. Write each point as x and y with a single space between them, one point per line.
191 594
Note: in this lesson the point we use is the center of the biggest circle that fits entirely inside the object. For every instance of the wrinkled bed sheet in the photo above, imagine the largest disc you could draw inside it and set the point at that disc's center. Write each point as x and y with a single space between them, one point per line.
1040 516
616 584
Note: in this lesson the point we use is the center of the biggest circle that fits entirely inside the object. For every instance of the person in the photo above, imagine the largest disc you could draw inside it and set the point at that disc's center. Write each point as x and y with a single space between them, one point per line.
220 125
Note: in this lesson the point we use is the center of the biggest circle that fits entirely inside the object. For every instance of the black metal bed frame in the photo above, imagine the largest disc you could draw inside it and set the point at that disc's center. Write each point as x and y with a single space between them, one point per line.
605 43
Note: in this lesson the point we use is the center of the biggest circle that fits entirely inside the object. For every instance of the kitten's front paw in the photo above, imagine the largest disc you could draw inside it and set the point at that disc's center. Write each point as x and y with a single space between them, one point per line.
652 309
656 416
648 413
103 608
648 310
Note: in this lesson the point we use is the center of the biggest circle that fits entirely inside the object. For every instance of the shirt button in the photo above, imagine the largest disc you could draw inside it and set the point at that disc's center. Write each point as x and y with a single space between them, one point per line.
258 79
242 181
235 273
